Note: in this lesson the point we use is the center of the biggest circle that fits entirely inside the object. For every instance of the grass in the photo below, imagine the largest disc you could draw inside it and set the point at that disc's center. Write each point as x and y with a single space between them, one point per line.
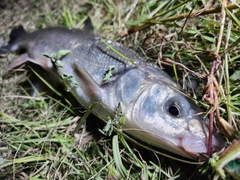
38 139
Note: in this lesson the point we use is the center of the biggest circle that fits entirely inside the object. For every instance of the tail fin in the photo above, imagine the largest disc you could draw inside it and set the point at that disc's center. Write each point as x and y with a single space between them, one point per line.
4 50
14 35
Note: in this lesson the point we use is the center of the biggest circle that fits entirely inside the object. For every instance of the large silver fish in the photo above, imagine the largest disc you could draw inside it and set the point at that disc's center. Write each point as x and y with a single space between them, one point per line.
154 108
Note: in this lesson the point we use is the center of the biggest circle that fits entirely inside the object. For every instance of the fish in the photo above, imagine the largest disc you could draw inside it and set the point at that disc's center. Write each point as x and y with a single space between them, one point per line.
152 105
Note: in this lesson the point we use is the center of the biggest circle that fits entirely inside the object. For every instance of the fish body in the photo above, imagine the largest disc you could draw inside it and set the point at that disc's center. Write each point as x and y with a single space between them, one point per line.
152 104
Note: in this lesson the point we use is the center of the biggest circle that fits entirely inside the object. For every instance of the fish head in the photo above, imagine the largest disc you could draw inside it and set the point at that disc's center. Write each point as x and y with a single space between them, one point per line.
164 117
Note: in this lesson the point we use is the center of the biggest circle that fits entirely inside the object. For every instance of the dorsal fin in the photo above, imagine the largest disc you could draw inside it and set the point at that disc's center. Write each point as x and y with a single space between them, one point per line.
88 25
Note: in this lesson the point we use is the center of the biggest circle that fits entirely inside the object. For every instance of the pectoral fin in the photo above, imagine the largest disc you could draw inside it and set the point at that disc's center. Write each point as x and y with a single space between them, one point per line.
86 82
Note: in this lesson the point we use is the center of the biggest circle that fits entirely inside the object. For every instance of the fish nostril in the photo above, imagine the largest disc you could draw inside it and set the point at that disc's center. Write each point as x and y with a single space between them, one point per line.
174 110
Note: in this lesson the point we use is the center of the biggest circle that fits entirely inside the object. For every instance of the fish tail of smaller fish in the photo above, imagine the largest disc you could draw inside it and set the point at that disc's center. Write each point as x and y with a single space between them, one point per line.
17 32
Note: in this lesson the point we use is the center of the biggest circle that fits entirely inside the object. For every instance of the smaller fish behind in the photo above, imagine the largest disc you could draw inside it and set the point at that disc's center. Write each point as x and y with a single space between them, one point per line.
154 109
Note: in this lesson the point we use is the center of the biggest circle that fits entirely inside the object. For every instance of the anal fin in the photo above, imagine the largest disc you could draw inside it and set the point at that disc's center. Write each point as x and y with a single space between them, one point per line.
42 61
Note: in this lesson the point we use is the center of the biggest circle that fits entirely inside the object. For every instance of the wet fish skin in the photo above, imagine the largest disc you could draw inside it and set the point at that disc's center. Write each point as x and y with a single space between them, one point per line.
155 109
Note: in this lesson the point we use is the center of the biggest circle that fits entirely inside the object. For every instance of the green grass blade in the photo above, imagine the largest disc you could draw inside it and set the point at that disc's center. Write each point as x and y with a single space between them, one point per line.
117 157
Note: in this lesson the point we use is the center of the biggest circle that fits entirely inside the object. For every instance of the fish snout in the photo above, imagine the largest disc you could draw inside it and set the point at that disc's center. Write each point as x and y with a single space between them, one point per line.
196 143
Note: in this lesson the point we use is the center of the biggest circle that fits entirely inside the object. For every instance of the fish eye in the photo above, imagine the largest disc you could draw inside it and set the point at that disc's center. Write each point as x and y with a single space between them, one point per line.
174 108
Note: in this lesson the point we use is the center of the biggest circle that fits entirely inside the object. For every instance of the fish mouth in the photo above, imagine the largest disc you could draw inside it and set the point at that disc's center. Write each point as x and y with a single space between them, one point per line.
196 147
193 145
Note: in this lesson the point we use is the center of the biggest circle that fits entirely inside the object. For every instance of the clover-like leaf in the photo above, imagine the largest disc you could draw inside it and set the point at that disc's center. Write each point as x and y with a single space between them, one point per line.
108 73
